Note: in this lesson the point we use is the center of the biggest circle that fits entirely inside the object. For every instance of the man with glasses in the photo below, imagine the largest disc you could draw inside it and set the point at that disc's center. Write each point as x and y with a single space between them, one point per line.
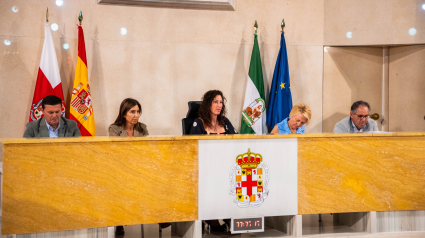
358 121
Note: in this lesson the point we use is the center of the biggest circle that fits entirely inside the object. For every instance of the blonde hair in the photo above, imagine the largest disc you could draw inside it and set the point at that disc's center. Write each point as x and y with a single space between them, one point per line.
301 108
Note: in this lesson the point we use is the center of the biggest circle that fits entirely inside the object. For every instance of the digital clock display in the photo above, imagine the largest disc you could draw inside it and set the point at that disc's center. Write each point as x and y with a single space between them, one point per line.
253 224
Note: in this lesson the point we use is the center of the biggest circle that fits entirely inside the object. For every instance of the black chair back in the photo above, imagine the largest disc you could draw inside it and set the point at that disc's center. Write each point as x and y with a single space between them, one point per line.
192 114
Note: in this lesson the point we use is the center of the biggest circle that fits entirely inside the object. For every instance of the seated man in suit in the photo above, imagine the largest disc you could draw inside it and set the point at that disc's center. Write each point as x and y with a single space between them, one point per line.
52 124
358 121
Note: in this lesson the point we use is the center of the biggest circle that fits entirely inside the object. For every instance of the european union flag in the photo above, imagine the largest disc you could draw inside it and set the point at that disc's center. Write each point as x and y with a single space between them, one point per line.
280 100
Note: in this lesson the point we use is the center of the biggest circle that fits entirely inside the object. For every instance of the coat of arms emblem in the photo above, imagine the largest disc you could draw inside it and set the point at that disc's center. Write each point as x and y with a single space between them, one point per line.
82 102
253 112
249 178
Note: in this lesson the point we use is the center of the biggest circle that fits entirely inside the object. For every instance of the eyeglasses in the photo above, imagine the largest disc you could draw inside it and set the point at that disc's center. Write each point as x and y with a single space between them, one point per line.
363 116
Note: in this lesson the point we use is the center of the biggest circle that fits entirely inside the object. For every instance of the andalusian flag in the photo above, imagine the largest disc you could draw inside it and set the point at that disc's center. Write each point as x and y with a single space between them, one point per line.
81 109
254 113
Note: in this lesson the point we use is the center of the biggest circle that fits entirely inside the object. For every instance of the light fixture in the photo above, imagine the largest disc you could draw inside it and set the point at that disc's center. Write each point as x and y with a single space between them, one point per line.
59 2
349 34
423 6
123 31
54 27
325 48
412 31
15 9
65 46
7 42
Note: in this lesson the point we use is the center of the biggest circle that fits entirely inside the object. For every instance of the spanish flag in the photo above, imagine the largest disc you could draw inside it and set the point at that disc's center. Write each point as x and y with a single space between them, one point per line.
81 109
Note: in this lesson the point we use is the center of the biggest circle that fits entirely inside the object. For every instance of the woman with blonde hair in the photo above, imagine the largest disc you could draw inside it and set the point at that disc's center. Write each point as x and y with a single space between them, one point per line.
299 117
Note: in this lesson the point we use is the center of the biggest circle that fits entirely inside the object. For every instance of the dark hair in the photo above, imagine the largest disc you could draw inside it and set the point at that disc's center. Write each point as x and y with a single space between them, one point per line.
205 108
51 100
126 105
357 104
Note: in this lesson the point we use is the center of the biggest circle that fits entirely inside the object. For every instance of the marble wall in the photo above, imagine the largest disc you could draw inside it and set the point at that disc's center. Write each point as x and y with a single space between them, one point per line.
377 22
167 58
350 74
70 191
406 88
400 221
83 233
324 173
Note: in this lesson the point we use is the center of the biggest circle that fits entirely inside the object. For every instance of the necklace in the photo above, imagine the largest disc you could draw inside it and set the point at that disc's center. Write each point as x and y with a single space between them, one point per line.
215 127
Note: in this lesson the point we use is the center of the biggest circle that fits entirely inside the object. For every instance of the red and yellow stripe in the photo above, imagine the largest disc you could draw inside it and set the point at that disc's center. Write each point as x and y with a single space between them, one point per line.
81 109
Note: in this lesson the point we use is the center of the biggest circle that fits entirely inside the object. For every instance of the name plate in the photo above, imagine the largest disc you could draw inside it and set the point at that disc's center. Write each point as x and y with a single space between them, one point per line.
245 225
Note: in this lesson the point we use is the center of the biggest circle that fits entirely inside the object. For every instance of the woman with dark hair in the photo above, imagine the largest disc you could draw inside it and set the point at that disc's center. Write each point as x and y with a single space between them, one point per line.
212 120
212 116
127 122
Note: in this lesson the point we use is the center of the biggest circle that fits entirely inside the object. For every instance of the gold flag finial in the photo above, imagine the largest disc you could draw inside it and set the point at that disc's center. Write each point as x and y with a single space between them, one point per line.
80 17
47 15
255 26
282 25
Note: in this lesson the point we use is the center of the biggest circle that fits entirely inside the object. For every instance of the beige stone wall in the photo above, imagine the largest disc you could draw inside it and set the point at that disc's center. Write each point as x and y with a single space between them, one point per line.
167 58
350 74
374 22
172 56
406 88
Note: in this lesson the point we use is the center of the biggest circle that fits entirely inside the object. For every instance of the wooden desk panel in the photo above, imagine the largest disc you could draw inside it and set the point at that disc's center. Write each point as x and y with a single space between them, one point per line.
64 186
355 174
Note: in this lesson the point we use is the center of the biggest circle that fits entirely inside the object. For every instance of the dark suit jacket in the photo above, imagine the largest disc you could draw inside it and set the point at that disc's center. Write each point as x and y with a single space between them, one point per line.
199 129
68 128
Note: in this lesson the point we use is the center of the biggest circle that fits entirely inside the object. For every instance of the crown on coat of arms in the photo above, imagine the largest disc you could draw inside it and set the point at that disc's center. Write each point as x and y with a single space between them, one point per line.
249 160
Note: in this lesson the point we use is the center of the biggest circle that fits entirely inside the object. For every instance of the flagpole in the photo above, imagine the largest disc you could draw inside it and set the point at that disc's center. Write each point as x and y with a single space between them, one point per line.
282 25
48 77
254 106
81 108
80 17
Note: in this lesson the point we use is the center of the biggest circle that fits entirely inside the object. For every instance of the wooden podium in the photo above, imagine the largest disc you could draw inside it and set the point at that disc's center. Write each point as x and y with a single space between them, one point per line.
76 183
